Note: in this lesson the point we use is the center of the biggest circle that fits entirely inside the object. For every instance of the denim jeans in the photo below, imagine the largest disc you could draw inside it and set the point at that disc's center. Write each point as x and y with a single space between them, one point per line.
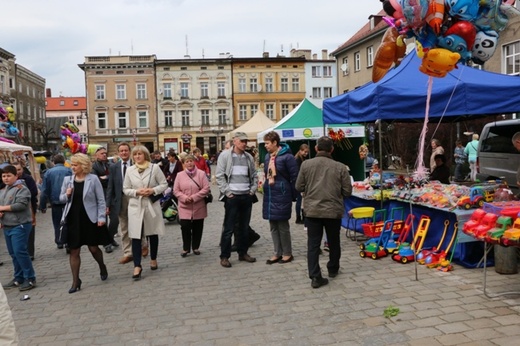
16 240
57 212
236 208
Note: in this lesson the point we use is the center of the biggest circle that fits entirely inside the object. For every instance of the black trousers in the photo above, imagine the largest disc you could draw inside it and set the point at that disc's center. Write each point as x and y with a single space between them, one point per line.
191 233
315 228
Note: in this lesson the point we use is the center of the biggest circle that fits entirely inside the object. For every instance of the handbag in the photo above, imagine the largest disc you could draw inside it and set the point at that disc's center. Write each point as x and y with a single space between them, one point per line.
154 198
209 197
64 232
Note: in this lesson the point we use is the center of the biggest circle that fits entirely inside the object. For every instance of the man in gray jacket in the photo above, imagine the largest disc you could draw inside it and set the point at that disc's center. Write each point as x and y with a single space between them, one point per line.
324 183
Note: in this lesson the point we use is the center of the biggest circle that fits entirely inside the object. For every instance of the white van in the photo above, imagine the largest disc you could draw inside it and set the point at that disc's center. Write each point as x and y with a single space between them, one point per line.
497 157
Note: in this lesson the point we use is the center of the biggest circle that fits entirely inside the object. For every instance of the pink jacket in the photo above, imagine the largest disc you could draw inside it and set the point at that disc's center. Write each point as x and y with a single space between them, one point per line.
184 187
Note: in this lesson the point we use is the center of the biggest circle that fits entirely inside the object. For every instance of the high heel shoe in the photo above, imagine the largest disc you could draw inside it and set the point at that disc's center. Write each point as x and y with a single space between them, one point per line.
103 273
75 289
153 265
137 276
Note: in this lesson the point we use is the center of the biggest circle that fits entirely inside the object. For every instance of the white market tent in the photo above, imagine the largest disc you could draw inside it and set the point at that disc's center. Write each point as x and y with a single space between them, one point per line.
10 150
258 123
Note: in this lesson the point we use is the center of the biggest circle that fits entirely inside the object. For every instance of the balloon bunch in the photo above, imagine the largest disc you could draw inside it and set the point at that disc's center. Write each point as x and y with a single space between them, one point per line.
7 117
71 138
446 32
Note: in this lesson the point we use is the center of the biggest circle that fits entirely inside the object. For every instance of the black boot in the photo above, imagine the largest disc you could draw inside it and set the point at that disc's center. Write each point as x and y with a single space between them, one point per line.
299 220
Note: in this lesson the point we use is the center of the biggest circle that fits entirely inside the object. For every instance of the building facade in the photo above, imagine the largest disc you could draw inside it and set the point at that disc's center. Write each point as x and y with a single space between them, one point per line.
194 104
274 85
67 109
121 100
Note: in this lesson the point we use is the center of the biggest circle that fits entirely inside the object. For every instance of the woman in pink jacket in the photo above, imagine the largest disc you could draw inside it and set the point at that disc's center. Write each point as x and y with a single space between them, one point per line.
191 187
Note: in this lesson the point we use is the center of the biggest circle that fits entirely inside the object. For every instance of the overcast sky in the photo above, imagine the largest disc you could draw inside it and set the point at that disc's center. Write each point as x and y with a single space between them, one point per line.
51 37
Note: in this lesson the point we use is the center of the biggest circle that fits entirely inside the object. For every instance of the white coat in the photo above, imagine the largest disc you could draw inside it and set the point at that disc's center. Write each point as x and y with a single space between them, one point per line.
140 209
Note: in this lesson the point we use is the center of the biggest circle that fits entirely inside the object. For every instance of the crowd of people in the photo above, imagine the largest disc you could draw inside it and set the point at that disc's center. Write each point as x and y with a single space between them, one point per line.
95 199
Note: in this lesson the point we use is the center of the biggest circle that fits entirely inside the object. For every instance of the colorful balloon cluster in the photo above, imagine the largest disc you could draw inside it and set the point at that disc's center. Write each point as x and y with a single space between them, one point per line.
71 139
7 117
467 28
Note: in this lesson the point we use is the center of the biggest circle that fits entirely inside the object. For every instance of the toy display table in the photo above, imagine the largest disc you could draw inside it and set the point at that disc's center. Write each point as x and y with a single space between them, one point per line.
468 252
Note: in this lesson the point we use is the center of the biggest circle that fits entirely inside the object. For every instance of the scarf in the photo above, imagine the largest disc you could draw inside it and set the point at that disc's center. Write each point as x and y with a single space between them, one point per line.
271 169
141 167
190 172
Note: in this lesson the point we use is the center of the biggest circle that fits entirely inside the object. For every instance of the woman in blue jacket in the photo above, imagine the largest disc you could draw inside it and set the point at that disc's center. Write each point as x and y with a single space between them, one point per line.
281 172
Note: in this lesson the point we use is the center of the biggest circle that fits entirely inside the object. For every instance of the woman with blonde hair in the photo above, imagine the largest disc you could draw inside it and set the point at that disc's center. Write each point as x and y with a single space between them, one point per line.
85 216
191 187
471 152
144 184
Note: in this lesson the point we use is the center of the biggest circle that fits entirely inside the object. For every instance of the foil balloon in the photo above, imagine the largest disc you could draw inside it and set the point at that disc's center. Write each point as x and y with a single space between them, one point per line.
11 115
391 51
485 45
463 9
435 15
459 38
438 62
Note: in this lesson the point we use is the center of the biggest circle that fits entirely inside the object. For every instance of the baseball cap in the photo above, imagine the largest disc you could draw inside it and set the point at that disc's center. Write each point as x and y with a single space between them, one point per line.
240 135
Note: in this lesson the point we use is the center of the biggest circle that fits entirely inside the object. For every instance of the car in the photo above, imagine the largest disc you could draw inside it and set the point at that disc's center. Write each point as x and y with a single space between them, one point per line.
497 158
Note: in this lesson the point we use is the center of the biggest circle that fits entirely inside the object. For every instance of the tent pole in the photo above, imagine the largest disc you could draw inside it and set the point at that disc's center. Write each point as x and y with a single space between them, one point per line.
379 121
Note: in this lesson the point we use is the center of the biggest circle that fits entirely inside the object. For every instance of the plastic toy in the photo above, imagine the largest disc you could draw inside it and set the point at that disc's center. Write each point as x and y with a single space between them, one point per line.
477 196
474 221
378 249
438 62
494 234
421 256
487 222
511 236
435 258
407 252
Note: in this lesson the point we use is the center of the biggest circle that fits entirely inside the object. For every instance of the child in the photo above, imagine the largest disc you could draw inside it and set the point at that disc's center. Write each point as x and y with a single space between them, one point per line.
16 219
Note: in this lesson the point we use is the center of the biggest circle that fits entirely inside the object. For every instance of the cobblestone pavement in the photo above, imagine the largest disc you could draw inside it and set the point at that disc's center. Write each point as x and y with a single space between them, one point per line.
195 301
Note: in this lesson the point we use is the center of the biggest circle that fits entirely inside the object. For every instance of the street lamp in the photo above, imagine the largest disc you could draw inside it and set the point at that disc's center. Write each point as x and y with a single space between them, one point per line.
218 132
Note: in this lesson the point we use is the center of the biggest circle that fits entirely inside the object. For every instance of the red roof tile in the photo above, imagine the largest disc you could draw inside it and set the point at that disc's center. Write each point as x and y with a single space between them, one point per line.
55 103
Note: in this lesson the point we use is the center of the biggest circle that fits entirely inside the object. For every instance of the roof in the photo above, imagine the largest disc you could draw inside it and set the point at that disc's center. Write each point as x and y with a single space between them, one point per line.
256 124
364 32
55 103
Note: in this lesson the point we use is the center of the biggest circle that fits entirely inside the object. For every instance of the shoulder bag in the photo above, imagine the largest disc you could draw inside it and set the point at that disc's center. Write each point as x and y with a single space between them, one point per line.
153 198
209 197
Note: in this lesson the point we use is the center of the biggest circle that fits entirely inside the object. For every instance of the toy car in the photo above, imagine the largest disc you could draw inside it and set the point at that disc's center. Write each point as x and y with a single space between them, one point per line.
378 249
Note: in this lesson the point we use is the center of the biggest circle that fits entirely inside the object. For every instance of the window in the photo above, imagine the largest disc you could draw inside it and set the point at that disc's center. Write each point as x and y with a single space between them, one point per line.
121 120
79 121
185 115
222 117
2 85
512 58
269 84
221 89
345 67
204 117
168 118
285 110
269 111
296 84
101 120
184 91
75 102
254 109
327 92
370 56
204 90
142 119
327 71
62 102
141 91
316 93
285 85
71 119
253 85
316 71
242 85
100 92
357 61
120 92
167 90
242 112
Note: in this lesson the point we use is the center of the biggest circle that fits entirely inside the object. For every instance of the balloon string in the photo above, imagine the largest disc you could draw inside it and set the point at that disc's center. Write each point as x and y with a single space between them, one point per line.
420 172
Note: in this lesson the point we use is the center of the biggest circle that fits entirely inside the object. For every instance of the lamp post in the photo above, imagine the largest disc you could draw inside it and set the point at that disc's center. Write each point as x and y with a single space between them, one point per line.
218 132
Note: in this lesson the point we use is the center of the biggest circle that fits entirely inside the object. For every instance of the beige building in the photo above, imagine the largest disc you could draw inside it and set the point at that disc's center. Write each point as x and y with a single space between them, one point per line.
194 103
121 98
274 85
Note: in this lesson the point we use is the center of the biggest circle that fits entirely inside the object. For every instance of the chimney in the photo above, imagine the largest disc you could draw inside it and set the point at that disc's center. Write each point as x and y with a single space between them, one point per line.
324 54
315 56
265 55
48 92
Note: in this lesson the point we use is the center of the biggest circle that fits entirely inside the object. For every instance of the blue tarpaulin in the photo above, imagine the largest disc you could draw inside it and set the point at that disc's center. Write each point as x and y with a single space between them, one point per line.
401 95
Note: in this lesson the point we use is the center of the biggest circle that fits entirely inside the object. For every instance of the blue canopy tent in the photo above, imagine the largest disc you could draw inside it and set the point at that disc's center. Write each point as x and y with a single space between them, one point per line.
401 95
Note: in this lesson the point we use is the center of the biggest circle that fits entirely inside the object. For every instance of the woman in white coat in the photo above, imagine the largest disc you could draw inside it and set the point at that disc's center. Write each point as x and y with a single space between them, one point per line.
143 181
